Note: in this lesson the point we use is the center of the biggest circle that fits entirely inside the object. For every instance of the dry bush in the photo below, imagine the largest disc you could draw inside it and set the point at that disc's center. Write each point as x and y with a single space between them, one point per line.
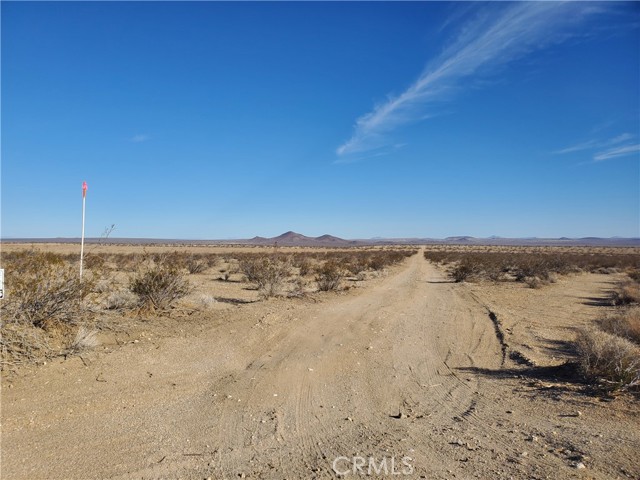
44 288
625 324
634 275
195 264
463 271
627 293
328 276
268 273
358 263
44 297
22 344
610 361
302 263
159 284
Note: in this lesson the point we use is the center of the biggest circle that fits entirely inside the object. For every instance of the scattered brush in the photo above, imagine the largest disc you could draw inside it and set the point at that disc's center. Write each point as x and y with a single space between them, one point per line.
533 269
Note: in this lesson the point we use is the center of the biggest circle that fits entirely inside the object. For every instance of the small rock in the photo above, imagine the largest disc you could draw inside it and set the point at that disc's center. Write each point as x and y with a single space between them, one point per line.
349 419
580 466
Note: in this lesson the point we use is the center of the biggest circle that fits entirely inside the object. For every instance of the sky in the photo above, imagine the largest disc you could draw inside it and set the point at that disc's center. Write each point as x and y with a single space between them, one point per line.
214 120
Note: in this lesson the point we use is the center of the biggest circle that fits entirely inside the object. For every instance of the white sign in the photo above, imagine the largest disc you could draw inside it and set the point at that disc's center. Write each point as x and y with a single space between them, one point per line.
1 283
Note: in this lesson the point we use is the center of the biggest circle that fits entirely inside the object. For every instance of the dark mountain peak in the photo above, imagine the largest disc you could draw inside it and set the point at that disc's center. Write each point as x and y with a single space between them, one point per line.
329 238
290 235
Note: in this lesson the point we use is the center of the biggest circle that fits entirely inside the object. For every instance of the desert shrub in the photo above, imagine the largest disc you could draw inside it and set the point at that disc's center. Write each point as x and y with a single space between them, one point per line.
462 271
268 273
530 268
159 284
303 264
634 275
93 261
212 260
610 361
626 293
625 324
376 262
22 343
44 288
249 267
357 264
195 264
328 276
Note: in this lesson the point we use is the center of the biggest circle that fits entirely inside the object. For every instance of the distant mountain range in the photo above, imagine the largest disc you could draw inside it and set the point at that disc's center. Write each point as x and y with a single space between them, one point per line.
293 239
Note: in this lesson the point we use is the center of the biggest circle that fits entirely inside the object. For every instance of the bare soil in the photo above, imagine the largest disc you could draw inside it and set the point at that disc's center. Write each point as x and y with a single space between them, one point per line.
467 381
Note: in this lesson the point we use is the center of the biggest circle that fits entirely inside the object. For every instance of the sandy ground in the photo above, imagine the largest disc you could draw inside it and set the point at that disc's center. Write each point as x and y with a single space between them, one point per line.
438 380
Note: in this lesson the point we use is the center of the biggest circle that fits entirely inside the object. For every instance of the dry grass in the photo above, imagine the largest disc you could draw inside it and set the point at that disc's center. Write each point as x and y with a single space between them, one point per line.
625 324
627 293
609 361
85 339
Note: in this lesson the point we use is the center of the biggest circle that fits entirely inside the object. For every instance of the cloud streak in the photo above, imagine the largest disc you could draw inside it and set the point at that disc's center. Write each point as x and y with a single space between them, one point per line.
611 148
616 152
591 144
489 42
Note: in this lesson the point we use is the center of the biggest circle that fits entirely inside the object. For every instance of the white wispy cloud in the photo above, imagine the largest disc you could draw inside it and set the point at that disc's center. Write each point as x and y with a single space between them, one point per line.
492 40
592 144
616 152
140 137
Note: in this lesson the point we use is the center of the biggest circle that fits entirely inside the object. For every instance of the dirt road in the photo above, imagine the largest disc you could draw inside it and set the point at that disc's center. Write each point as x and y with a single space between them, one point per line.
408 375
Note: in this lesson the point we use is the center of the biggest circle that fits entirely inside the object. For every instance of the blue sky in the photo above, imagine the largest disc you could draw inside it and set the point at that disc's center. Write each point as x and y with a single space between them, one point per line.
229 120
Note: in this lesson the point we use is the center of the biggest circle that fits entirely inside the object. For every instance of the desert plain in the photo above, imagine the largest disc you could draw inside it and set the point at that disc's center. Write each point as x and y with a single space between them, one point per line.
399 371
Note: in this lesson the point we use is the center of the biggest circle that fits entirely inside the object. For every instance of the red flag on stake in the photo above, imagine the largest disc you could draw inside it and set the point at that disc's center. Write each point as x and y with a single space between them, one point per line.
84 189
